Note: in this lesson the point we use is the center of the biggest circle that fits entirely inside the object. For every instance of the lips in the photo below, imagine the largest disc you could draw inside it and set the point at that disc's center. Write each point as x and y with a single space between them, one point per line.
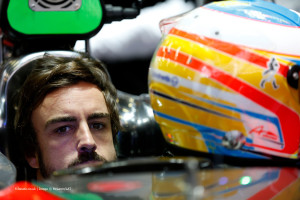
89 163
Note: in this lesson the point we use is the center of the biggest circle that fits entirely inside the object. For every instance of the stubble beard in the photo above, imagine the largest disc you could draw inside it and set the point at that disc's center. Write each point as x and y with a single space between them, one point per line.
46 171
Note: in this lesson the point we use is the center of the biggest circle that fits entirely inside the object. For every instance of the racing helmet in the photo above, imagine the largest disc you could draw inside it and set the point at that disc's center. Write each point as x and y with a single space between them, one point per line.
224 80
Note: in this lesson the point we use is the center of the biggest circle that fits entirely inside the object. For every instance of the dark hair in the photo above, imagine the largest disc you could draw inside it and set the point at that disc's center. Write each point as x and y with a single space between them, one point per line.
51 73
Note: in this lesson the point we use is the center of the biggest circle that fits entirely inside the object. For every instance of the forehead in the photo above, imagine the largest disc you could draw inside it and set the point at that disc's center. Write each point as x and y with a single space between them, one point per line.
80 96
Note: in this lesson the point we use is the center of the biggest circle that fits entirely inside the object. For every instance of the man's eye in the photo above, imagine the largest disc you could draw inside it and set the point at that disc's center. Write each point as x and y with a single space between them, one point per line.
62 130
97 126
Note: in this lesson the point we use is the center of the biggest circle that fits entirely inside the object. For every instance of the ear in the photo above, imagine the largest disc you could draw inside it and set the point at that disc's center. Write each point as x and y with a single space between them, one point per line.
33 161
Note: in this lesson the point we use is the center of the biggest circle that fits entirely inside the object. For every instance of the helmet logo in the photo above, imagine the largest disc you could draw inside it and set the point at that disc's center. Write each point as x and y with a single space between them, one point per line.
166 78
269 73
233 139
260 131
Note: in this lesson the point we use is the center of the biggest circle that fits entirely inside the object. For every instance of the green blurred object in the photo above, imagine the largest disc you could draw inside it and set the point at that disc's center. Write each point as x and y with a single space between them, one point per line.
86 19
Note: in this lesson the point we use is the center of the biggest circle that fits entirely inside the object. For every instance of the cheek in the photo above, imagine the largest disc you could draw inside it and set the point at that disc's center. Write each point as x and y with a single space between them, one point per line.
104 139
59 156
57 149
105 147
57 143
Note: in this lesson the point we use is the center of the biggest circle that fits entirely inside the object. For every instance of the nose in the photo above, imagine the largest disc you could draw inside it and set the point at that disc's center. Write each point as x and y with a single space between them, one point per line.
86 142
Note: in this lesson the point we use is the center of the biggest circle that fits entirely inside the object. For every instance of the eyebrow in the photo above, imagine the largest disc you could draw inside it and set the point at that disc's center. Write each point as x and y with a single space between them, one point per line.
73 119
98 116
59 120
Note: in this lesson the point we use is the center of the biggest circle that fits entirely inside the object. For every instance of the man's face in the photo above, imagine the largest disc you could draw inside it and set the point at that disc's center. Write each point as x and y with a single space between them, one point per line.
73 127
